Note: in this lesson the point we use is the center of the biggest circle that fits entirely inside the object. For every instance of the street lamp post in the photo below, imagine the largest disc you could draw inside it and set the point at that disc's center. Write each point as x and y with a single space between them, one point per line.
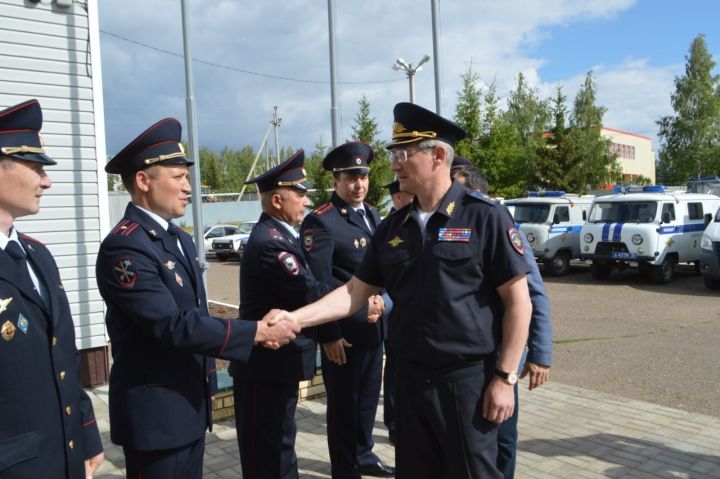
410 72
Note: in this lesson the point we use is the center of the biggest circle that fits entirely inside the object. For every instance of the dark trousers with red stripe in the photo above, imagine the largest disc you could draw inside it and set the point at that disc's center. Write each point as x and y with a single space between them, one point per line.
184 462
265 422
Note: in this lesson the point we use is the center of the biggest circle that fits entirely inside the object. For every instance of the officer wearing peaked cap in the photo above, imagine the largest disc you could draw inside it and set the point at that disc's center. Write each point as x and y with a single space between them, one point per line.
453 263
162 335
48 426
335 237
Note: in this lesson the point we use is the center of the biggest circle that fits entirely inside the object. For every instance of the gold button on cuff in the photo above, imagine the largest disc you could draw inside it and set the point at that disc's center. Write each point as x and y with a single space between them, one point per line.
68 410
62 375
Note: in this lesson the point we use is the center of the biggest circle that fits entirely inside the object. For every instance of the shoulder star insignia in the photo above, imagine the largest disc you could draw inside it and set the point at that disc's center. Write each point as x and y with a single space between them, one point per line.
450 208
343 211
152 232
4 304
395 241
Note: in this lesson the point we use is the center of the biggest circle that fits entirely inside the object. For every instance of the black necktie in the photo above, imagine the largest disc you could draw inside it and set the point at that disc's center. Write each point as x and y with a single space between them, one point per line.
362 213
15 251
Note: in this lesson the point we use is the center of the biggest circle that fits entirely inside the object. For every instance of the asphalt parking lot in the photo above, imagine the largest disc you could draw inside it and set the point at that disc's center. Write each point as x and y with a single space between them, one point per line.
625 336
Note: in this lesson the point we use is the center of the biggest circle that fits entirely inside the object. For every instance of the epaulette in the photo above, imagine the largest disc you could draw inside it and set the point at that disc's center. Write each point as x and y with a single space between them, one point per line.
30 238
483 197
322 209
275 234
125 228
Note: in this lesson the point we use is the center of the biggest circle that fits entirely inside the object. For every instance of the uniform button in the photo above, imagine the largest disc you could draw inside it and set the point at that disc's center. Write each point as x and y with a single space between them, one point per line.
54 341
62 375
207 379
68 410
71 444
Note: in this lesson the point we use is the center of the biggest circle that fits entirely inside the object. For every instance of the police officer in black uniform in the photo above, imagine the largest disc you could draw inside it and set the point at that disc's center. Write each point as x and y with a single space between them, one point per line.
162 335
335 237
273 273
453 263
48 426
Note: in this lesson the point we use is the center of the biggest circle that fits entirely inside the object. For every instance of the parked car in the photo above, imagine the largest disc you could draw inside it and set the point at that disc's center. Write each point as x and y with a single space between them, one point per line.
229 246
216 231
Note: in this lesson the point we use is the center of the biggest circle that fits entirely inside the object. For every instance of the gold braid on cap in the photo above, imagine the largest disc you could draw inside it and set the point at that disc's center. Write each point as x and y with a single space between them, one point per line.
12 150
291 183
415 134
157 159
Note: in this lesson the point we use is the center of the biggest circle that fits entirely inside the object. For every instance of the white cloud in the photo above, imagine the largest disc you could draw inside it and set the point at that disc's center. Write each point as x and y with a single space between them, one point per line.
289 38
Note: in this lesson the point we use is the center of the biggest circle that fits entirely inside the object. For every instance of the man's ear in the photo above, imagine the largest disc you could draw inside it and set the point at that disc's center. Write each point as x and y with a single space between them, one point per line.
440 155
276 200
142 181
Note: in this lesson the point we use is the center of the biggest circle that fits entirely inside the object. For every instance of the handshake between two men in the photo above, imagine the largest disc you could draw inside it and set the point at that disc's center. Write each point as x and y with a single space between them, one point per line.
278 327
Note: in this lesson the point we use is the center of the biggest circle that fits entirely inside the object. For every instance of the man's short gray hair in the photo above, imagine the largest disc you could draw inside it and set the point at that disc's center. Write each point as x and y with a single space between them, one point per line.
449 150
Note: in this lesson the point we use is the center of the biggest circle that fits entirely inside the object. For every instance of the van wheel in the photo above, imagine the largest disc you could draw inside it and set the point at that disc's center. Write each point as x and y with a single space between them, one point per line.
712 283
220 256
559 265
600 271
664 273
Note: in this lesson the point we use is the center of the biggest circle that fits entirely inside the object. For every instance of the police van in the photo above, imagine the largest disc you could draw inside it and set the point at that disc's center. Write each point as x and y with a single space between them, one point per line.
710 254
551 221
650 228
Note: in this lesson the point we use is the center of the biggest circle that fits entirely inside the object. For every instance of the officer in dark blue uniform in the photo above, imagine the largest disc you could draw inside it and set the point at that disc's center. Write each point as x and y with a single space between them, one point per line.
48 426
335 238
273 274
453 264
147 270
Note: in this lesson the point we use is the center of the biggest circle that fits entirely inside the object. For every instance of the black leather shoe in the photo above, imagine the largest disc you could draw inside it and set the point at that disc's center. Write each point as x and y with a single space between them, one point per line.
377 470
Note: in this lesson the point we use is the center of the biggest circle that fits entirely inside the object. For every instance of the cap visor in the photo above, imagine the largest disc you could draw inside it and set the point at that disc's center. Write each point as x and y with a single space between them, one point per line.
35 158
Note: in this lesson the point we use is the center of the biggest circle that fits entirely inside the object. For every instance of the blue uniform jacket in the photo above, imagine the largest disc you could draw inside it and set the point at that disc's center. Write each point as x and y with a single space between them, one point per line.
273 274
335 239
541 334
161 333
48 426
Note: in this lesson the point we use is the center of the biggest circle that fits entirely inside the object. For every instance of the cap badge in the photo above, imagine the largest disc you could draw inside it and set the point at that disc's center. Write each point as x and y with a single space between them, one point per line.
358 161
396 241
398 127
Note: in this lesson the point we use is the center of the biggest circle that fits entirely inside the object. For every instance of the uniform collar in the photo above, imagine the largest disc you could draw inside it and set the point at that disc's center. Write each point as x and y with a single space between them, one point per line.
158 219
340 203
4 240
285 226
448 205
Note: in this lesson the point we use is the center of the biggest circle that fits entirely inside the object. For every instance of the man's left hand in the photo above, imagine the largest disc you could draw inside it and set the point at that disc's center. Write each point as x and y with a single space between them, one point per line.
539 374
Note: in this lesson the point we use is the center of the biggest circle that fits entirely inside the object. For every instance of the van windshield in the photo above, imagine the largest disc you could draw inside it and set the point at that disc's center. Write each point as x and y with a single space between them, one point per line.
625 212
531 213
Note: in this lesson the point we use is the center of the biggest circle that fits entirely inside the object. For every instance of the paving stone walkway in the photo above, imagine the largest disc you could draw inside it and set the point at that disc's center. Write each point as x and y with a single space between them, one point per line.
565 432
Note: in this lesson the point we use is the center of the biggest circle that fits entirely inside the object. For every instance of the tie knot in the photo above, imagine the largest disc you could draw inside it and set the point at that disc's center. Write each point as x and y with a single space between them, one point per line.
172 229
15 251
361 212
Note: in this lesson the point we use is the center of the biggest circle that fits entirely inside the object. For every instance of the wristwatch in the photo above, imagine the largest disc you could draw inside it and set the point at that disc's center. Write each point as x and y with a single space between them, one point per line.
510 378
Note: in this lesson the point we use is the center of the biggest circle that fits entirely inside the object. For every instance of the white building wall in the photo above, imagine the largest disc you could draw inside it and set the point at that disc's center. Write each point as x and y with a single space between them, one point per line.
642 159
52 54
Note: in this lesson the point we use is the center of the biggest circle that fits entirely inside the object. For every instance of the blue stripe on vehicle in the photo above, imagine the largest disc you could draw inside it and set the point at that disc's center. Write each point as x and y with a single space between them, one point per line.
566 229
617 231
687 228
606 231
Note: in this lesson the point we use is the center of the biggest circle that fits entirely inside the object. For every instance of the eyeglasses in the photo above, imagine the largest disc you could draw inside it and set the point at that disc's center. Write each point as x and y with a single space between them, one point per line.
402 155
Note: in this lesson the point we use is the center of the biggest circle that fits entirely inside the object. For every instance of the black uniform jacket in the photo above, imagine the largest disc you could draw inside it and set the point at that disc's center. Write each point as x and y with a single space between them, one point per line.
48 426
335 239
443 284
159 326
273 274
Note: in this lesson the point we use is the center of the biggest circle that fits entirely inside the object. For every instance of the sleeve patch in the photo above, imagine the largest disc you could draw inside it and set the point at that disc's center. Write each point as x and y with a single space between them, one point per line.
289 263
125 272
308 240
516 241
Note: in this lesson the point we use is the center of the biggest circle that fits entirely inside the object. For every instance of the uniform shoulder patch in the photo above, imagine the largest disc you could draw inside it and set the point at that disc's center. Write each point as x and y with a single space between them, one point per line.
322 209
125 271
125 228
308 239
482 197
289 263
516 240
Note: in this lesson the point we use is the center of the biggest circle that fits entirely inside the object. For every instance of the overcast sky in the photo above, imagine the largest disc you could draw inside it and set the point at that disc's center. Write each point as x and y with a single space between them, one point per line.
634 48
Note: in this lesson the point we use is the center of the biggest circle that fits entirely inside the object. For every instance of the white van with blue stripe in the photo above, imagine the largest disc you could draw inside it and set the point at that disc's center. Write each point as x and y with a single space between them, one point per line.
551 221
650 228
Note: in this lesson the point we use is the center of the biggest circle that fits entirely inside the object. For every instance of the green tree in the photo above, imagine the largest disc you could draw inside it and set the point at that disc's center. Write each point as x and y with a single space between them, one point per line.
365 129
320 179
468 114
594 165
210 171
690 138
529 116
554 160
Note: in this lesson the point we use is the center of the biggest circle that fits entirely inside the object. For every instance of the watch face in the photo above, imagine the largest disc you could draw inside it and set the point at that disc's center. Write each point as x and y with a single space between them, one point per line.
512 378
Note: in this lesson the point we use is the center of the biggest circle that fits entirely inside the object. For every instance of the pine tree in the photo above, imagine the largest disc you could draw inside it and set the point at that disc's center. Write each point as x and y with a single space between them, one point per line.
690 139
468 114
320 179
365 129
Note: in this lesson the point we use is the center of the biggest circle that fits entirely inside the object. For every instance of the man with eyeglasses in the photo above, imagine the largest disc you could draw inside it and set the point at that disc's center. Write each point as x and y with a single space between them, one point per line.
453 263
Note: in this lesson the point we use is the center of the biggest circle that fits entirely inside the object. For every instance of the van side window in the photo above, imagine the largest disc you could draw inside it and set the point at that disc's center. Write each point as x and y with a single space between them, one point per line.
563 213
695 211
668 208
